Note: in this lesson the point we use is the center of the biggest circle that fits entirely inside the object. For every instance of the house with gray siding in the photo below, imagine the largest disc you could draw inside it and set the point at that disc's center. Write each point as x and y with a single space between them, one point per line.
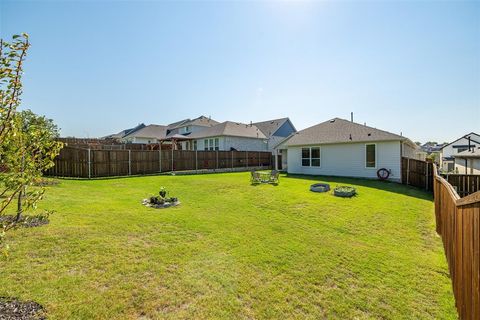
228 136
340 147
457 156
276 130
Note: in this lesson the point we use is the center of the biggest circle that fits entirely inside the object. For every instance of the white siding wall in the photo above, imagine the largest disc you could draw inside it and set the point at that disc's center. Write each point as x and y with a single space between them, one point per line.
245 144
239 143
201 144
410 152
473 166
140 140
449 150
348 159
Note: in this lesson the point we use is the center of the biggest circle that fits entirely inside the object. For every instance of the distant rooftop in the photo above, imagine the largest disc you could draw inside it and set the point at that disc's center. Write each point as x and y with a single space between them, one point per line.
229 128
269 127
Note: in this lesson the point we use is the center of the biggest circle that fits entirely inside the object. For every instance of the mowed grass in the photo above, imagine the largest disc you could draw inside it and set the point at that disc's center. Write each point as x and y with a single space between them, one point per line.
232 251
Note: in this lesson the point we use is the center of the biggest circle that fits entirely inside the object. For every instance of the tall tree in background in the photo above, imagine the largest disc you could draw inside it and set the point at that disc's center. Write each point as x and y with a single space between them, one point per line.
27 141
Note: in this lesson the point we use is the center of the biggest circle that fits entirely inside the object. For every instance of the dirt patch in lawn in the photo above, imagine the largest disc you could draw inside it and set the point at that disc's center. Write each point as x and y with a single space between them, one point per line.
25 221
14 309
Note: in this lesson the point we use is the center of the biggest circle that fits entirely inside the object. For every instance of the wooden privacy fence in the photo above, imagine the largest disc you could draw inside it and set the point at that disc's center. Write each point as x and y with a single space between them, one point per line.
88 163
464 184
417 173
458 223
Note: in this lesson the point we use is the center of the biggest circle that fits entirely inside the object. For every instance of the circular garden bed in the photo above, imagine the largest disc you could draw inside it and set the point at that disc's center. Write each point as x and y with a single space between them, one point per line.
344 191
162 201
14 309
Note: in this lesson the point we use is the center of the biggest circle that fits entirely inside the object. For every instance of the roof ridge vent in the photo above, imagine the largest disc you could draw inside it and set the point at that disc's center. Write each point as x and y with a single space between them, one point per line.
332 120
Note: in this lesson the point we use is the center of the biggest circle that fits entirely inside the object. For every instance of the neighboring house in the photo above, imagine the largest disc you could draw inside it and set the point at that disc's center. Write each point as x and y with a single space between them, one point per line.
188 126
340 147
227 136
123 133
152 133
276 130
449 151
430 148
468 161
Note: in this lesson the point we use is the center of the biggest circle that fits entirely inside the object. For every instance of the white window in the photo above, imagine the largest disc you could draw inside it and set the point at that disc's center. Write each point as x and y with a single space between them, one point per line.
371 156
305 157
195 145
205 144
311 157
216 144
187 129
210 145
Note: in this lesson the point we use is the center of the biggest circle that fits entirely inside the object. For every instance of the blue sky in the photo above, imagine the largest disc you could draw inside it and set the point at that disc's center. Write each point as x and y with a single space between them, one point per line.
99 67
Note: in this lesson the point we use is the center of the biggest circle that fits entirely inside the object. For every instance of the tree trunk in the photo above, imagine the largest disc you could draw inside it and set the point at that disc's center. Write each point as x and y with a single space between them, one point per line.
19 206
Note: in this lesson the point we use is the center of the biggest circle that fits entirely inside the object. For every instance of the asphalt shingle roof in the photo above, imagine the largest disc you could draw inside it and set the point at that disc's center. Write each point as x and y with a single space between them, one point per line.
340 131
200 121
150 131
229 128
269 127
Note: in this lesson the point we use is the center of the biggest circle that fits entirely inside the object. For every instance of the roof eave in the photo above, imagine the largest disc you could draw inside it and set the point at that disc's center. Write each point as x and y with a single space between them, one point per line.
342 142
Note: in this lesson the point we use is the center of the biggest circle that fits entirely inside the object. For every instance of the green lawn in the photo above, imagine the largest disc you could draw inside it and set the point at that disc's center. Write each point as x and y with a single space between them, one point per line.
231 251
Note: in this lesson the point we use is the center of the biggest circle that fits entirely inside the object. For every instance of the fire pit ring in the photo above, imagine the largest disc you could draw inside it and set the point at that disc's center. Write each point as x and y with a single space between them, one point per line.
320 187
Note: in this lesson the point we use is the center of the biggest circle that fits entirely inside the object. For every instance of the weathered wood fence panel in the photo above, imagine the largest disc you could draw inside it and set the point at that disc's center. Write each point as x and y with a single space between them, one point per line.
94 163
417 173
458 223
464 184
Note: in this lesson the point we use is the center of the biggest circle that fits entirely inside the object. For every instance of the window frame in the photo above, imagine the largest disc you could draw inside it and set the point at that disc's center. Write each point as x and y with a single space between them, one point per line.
211 146
310 159
376 156
205 144
217 144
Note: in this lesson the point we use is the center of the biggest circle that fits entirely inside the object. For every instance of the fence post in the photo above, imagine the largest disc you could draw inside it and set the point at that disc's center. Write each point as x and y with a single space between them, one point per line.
196 161
172 159
129 162
216 161
259 160
160 159
426 177
246 157
408 171
89 163
231 153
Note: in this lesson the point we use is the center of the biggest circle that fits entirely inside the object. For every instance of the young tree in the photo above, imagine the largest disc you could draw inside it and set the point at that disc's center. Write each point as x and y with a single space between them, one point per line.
29 152
12 56
27 141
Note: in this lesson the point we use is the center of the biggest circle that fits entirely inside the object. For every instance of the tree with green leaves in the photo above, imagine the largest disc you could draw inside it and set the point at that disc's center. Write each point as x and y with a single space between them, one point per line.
27 141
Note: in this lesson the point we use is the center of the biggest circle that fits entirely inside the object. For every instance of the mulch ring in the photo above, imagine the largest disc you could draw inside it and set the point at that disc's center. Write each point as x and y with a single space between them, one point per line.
25 221
14 309
46 182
